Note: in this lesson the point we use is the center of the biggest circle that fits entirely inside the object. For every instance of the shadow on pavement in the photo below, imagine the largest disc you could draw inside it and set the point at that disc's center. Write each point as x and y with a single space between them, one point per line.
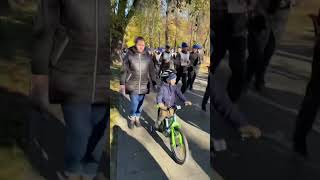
135 160
298 48
197 153
197 118
146 123
271 157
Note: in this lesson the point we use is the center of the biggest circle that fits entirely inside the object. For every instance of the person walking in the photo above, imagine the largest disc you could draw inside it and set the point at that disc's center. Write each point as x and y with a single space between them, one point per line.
265 25
229 24
137 71
166 59
195 62
74 64
167 97
157 62
182 65
309 107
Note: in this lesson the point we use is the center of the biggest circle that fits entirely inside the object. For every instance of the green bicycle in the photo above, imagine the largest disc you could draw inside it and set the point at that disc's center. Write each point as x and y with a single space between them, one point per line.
178 142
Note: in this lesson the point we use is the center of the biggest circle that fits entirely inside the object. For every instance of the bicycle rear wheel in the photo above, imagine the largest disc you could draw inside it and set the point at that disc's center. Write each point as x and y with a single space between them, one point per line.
179 147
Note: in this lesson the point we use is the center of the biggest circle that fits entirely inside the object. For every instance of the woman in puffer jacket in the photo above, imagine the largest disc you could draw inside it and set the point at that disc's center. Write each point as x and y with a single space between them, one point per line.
137 71
71 63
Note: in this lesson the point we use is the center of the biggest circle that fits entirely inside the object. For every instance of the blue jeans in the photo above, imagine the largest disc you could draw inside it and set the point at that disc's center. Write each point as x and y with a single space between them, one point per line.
136 101
85 137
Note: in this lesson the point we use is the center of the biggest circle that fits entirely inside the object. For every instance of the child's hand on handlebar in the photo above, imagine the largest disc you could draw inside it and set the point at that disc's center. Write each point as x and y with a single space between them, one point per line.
187 103
162 106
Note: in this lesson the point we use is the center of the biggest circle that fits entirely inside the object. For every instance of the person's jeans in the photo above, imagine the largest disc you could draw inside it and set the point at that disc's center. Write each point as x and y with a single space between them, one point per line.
136 102
85 137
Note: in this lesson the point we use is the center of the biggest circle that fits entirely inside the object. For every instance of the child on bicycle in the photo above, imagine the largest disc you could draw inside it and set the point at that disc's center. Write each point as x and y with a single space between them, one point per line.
166 98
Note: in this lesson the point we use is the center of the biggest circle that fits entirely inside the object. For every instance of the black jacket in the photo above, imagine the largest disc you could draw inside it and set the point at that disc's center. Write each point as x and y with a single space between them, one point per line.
137 71
72 47
165 63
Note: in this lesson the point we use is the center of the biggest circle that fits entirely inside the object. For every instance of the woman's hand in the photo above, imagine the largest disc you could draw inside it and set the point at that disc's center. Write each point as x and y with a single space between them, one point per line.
187 103
39 89
123 89
248 131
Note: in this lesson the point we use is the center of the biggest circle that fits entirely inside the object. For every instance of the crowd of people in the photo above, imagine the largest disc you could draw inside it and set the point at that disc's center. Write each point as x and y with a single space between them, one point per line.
250 31
160 67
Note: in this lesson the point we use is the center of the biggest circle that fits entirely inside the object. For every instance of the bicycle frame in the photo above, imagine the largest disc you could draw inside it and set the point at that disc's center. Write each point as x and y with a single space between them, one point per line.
175 125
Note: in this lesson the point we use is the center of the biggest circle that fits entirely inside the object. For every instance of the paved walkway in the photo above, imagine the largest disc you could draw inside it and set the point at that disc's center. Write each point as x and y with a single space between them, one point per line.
141 155
274 111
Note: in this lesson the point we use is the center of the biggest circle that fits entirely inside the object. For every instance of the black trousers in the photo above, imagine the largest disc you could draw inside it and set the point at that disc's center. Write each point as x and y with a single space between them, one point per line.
183 76
311 101
261 47
191 78
226 39
206 95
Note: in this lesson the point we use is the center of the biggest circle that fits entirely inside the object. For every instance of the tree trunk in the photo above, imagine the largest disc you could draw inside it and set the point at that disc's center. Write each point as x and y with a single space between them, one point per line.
191 35
159 37
168 11
152 32
176 33
196 28
204 45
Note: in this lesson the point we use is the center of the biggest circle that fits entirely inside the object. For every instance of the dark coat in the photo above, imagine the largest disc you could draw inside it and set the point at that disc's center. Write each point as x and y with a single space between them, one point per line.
195 61
71 47
221 103
137 71
165 63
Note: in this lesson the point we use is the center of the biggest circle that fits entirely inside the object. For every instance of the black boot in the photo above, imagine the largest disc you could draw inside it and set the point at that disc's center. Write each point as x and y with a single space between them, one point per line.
204 107
300 146
259 85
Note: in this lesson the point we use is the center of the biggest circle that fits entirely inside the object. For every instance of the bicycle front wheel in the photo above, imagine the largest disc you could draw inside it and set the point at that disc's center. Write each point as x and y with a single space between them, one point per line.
179 146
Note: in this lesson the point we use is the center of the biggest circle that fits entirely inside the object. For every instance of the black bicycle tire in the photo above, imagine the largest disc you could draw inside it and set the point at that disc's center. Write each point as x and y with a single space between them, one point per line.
186 148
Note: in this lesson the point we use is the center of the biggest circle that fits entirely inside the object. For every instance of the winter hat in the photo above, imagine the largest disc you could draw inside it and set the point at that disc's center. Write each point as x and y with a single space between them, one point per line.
196 46
184 45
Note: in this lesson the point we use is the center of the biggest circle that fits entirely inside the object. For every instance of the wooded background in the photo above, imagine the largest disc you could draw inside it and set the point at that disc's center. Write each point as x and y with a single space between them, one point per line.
161 22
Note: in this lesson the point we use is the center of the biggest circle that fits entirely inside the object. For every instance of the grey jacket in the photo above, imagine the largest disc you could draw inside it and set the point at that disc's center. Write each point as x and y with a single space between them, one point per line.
137 72
71 46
